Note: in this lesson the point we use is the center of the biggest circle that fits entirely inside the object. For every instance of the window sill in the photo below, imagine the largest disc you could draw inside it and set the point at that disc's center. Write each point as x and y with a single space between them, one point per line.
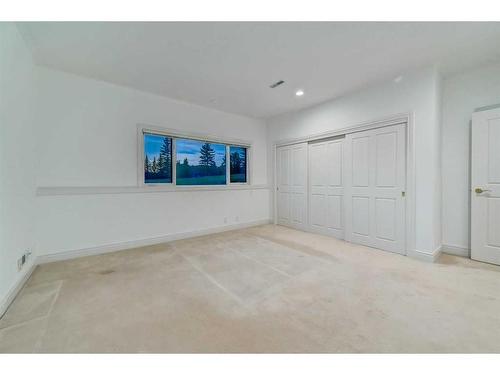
94 190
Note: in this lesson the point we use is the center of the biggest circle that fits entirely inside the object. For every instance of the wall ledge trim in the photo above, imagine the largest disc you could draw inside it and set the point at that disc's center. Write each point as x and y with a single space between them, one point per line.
44 191
118 246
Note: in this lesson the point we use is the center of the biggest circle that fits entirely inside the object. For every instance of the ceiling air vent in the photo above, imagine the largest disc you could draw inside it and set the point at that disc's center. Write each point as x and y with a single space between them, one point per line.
276 84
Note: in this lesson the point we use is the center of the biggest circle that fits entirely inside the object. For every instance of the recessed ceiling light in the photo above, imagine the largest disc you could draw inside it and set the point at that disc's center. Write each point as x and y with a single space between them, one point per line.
299 92
398 79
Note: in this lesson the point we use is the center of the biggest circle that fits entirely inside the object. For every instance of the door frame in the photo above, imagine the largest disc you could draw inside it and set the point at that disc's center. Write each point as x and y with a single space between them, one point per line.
410 201
478 202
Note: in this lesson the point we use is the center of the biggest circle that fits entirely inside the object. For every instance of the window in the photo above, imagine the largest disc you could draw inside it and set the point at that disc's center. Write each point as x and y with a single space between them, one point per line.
197 161
238 164
157 159
200 163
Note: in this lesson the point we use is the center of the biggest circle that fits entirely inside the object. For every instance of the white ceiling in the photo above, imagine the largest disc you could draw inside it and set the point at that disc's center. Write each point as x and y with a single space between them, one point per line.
229 66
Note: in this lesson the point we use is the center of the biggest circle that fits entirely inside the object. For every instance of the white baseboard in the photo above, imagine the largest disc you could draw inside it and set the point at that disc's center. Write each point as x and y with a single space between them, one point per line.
424 256
71 254
109 248
456 250
16 288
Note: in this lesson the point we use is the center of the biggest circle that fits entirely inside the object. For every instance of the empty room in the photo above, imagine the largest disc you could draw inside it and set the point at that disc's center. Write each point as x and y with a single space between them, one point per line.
250 187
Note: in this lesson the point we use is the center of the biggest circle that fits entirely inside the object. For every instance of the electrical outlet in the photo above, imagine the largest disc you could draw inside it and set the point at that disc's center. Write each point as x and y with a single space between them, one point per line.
22 261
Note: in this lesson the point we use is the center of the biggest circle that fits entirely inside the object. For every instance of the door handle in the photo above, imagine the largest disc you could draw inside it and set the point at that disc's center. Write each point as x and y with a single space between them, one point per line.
479 190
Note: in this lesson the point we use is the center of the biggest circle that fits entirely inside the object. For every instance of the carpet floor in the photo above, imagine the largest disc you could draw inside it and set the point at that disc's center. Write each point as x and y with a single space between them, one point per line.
266 289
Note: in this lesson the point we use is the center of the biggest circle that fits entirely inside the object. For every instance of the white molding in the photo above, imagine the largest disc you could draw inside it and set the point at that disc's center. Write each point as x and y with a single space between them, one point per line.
275 185
174 133
387 121
487 108
117 246
94 190
78 253
16 288
425 256
456 250
411 187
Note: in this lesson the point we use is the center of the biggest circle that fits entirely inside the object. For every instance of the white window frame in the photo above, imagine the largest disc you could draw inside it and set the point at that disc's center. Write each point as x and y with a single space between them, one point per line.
142 171
228 165
174 134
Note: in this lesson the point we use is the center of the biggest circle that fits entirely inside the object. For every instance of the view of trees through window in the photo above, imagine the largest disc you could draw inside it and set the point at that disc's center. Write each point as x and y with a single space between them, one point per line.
238 164
200 163
197 162
157 159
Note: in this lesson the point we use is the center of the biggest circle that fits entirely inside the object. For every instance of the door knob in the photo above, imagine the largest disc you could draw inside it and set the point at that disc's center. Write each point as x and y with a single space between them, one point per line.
479 190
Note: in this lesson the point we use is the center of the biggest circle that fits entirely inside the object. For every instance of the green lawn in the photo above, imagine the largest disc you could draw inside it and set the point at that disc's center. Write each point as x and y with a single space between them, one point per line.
206 180
157 180
238 177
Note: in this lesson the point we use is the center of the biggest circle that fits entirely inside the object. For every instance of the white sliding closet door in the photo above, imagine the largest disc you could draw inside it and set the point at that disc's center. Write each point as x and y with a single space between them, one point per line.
375 170
326 191
292 185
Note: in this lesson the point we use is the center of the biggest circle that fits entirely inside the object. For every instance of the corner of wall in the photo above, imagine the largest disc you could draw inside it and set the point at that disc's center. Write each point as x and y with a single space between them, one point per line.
431 257
17 186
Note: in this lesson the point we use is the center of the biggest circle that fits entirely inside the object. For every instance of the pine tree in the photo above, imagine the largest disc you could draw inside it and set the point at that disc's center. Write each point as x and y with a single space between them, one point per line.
146 164
162 165
235 163
165 159
207 156
183 169
154 166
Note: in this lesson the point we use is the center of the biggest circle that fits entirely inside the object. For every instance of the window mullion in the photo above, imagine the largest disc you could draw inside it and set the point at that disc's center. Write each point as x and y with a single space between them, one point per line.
174 161
228 164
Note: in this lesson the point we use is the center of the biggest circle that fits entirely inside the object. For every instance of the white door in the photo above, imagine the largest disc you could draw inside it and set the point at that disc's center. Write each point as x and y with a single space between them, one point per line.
375 174
292 185
485 192
326 191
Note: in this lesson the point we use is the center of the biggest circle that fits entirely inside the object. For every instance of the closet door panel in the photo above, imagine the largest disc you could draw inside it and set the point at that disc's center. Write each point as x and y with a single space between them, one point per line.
375 172
291 194
326 192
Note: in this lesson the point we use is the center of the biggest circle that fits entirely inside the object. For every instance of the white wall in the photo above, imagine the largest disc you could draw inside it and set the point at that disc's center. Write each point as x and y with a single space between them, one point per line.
418 93
88 137
17 158
59 129
461 95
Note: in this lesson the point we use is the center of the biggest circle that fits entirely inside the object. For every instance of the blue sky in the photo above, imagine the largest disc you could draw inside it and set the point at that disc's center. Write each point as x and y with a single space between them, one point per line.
239 150
186 148
152 145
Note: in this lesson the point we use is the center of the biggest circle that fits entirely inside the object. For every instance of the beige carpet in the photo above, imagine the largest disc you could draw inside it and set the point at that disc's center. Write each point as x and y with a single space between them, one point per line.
264 289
